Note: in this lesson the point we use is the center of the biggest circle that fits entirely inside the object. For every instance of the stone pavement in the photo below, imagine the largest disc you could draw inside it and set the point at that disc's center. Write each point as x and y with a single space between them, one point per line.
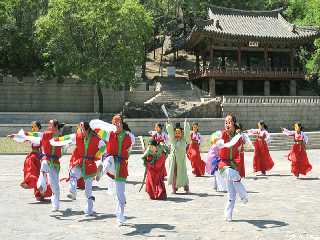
280 207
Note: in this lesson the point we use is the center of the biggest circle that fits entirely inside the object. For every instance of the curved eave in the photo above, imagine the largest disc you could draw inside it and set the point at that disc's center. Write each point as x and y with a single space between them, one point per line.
196 36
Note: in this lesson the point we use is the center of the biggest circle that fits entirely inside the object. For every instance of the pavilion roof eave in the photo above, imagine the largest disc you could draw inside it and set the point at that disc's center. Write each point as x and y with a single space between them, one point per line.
196 37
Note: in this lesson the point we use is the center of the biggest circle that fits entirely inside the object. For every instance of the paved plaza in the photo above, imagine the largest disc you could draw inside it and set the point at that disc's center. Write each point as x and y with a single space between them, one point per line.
280 207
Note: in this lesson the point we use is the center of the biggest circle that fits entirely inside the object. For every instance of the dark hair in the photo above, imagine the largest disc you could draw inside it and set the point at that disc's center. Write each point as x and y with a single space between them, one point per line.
153 142
57 125
238 126
233 117
37 123
159 125
178 126
261 122
125 126
299 125
86 126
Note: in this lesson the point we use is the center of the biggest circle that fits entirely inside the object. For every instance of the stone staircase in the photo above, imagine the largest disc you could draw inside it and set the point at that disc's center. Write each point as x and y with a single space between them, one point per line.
138 147
175 90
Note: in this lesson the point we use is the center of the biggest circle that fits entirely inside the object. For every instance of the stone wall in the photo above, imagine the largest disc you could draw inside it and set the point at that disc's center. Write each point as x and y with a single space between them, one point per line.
67 97
275 111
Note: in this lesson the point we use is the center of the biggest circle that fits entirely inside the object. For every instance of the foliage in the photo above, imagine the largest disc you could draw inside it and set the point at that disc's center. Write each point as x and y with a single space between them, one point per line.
100 41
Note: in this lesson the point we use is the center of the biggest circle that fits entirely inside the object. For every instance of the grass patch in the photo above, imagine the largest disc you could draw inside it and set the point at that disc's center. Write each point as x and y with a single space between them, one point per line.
7 145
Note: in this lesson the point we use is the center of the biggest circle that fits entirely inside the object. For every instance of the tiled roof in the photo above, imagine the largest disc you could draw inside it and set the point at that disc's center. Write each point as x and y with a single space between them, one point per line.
253 24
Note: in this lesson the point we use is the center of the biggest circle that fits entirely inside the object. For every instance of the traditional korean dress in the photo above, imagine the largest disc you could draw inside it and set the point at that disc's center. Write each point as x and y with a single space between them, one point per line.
212 163
230 167
50 165
177 159
298 155
161 138
118 146
31 168
193 153
262 160
155 163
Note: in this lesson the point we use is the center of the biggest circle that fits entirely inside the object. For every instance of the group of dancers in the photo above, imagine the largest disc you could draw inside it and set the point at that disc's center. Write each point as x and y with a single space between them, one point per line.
102 149
99 149
224 161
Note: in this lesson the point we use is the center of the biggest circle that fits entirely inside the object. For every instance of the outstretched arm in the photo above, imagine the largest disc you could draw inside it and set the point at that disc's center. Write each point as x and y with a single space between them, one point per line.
287 132
186 130
170 131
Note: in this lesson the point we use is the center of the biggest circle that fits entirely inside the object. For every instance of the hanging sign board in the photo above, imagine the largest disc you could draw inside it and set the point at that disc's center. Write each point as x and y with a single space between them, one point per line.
253 44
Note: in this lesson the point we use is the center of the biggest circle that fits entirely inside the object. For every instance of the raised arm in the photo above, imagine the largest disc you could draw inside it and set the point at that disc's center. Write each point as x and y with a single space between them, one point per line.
170 131
252 132
186 131
288 132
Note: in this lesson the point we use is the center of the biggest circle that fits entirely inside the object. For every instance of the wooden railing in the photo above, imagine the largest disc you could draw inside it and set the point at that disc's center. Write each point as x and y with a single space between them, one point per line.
246 74
270 100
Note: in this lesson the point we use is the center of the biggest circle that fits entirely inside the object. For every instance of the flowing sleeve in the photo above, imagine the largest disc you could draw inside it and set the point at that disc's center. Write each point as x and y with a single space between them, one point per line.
101 149
247 141
288 133
253 132
305 138
267 137
22 136
170 132
63 140
186 130
145 155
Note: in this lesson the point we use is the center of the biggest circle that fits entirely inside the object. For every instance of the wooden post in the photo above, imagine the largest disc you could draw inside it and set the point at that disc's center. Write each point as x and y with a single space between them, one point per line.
292 53
239 58
266 58
211 57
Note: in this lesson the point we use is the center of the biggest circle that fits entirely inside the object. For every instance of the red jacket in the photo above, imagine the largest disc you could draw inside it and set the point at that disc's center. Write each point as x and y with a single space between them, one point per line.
52 154
231 156
121 164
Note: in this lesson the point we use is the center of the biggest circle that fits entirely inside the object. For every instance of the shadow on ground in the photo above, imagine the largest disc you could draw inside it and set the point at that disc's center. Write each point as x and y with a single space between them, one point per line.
145 229
264 224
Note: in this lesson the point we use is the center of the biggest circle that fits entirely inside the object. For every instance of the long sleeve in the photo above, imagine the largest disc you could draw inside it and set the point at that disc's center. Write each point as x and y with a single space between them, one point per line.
170 132
253 131
63 140
305 138
186 131
288 133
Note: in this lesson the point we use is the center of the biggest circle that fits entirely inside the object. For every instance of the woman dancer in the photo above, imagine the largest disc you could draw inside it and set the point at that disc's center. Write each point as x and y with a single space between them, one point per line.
298 155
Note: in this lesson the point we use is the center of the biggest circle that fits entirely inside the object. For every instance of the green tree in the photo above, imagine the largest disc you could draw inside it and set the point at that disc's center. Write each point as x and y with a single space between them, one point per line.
99 41
18 52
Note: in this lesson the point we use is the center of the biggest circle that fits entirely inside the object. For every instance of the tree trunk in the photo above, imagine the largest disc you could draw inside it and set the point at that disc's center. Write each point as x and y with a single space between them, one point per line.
144 66
100 98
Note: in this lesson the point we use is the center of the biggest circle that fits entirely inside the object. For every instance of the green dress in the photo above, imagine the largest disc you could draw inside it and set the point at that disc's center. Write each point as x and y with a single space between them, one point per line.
177 155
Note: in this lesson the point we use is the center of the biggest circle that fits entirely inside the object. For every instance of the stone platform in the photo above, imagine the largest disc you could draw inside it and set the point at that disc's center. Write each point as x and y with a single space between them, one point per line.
280 207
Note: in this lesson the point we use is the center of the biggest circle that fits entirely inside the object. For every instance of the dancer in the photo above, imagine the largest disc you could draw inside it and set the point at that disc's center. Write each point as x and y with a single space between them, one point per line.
158 134
298 155
230 164
212 163
115 161
32 163
154 160
82 163
178 139
193 152
50 164
262 160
